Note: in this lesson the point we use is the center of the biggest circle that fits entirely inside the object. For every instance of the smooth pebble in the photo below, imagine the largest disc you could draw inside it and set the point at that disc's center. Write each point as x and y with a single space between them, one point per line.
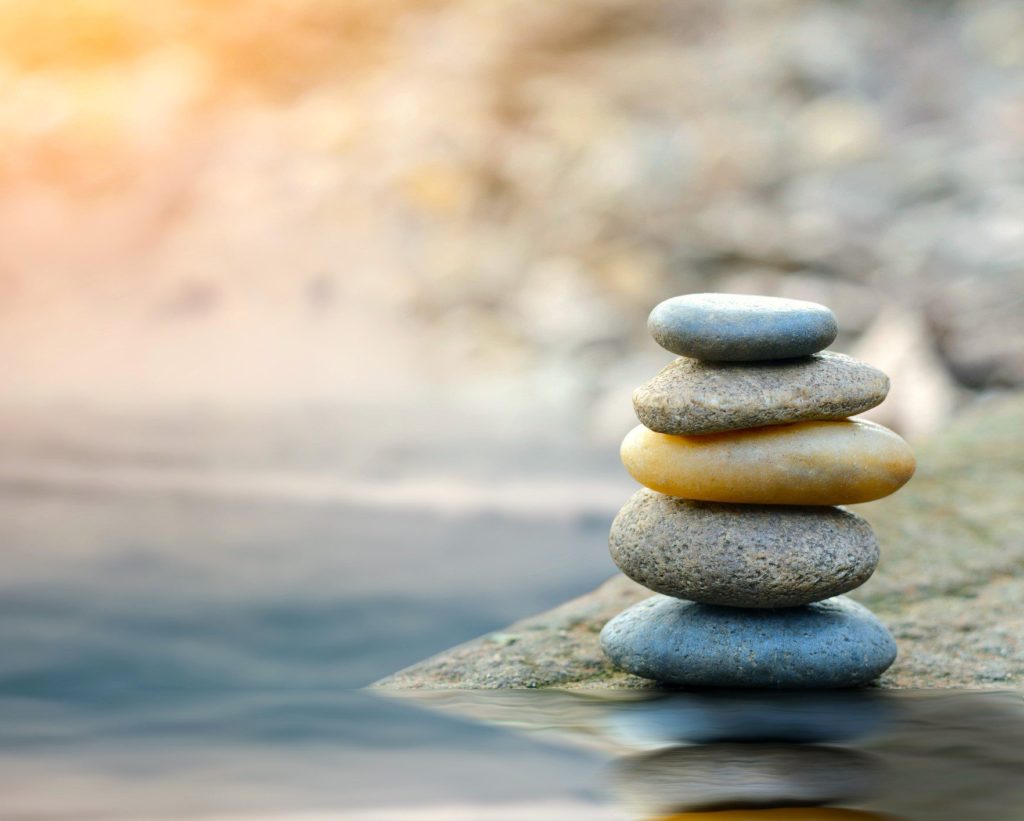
741 328
805 463
693 397
741 555
834 643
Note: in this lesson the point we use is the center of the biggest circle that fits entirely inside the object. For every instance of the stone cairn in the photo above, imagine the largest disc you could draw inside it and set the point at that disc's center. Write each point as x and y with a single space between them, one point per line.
744 452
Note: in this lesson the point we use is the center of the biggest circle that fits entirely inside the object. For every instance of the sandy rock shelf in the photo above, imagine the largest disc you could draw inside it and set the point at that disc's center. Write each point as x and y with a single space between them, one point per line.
950 585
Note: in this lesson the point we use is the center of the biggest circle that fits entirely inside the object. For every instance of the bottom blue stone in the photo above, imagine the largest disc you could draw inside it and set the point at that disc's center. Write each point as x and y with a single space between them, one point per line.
831 643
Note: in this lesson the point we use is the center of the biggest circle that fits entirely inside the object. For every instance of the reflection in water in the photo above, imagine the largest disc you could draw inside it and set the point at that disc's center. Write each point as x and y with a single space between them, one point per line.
748 750
705 717
877 754
727 776
277 756
779 814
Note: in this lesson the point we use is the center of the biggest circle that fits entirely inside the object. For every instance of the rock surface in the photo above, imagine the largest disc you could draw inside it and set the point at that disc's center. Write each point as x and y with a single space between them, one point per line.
949 589
741 555
834 643
694 397
741 328
806 463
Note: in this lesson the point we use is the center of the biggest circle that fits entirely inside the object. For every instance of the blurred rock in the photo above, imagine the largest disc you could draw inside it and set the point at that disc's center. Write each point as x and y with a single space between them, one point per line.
838 130
504 188
922 393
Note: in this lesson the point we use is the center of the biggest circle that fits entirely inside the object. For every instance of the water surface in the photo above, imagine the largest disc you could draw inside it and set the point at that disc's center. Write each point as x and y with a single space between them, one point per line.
185 639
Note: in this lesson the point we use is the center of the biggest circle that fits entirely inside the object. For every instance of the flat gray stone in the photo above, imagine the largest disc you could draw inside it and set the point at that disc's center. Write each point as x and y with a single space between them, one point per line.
835 643
741 328
741 555
727 776
691 396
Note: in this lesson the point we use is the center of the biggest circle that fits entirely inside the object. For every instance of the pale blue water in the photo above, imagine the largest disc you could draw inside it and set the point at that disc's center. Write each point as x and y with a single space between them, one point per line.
170 651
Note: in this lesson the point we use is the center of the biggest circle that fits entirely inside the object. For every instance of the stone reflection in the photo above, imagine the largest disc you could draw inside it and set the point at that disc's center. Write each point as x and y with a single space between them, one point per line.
908 755
725 756
732 751
704 717
730 776
779 814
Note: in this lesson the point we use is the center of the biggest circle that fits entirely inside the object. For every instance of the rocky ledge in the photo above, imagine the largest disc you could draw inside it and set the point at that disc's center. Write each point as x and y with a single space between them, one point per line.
950 586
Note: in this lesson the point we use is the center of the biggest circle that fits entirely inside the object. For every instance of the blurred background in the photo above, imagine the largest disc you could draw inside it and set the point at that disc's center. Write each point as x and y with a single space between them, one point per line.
319 319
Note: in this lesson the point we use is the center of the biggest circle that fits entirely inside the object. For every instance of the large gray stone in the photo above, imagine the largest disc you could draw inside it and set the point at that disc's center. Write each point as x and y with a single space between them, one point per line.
690 396
835 643
741 555
741 328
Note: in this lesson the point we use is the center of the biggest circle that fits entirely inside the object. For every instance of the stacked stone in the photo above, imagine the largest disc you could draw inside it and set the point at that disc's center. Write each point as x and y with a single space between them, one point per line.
745 450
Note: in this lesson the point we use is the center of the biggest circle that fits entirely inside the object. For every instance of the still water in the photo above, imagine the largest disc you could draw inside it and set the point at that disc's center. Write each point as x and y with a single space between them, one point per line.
172 647
848 754
184 634
522 754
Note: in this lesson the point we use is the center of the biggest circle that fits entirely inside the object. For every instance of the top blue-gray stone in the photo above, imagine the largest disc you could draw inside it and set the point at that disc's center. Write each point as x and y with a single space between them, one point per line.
741 328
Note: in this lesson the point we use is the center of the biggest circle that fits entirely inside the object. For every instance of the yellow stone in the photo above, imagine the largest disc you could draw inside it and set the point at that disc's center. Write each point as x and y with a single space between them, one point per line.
806 463
779 814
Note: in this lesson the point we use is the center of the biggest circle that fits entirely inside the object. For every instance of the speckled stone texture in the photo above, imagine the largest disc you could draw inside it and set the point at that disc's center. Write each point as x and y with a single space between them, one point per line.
727 776
741 555
694 397
740 328
805 463
835 643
